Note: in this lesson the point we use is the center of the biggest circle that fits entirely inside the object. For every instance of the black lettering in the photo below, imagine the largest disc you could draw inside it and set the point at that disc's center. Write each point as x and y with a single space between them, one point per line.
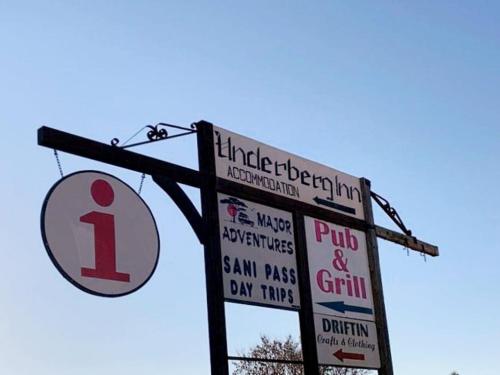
304 175
264 163
227 264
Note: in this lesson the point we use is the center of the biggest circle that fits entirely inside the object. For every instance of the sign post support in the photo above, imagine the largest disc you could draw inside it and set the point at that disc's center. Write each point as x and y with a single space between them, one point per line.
308 339
377 291
213 263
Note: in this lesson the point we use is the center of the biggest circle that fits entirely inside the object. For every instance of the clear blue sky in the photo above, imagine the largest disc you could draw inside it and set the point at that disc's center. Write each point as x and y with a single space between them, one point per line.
404 94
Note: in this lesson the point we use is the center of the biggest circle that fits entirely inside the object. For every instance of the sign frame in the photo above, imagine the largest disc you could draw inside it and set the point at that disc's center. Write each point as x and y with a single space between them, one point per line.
299 210
206 226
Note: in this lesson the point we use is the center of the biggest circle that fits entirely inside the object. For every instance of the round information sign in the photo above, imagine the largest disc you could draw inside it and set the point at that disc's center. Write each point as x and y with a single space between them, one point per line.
100 234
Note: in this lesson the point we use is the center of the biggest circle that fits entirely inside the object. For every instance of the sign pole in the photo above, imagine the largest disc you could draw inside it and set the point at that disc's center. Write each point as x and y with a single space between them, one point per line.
213 264
306 317
375 275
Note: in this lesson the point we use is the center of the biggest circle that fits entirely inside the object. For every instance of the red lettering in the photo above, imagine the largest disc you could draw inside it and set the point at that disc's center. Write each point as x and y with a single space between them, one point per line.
352 241
325 285
104 247
338 238
104 236
341 239
320 228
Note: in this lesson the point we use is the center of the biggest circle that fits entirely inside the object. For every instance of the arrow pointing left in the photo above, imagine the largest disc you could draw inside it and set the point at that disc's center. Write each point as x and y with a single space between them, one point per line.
341 355
342 307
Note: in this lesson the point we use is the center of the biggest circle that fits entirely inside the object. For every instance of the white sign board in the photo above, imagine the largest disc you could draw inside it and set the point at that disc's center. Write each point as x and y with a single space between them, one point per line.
100 234
341 295
246 161
258 254
346 342
338 269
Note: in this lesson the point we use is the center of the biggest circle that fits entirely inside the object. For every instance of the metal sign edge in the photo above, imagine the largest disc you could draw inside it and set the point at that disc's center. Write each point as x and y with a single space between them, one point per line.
52 257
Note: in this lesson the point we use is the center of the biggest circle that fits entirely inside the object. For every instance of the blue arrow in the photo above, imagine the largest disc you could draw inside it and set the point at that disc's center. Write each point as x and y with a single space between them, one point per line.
340 306
334 205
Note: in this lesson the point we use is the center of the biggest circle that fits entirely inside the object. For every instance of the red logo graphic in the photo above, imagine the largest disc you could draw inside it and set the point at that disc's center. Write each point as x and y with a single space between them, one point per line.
104 235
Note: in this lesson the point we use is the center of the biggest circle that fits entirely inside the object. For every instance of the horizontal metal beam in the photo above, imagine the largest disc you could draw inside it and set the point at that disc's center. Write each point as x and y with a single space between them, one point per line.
407 241
265 360
116 156
87 148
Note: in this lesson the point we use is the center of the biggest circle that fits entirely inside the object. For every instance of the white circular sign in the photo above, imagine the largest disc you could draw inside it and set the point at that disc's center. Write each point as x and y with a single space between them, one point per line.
100 234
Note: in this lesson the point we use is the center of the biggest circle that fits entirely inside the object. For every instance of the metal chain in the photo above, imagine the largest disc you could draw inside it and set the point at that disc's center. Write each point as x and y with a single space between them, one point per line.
143 176
58 163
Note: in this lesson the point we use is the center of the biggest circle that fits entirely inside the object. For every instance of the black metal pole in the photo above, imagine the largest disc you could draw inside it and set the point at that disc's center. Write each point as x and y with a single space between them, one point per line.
213 264
376 278
306 318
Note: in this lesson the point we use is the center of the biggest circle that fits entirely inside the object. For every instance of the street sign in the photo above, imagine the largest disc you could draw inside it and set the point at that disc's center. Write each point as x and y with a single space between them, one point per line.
258 254
341 292
346 342
99 234
246 161
102 237
338 268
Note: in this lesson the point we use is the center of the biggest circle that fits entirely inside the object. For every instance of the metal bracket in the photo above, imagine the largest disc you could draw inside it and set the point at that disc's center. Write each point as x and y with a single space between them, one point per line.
406 239
156 133
183 202
391 212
